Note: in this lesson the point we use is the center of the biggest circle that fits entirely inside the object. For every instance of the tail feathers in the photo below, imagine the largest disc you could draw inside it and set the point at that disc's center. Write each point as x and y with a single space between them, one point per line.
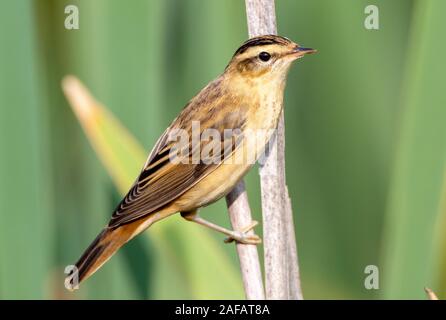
98 253
106 244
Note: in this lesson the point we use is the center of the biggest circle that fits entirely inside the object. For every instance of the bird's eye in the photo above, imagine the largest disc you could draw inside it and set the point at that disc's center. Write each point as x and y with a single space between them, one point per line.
264 56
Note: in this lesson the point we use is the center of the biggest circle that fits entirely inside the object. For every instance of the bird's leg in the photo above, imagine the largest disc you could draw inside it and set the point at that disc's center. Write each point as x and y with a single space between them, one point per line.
239 236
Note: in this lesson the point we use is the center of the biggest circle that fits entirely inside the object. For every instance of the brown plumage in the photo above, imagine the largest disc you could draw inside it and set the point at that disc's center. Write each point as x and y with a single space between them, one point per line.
247 96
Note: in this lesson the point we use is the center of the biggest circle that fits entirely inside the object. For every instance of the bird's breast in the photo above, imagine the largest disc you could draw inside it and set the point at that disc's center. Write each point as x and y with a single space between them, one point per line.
257 114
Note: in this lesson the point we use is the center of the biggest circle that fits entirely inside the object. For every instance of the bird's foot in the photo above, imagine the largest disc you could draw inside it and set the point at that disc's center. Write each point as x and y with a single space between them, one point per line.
243 236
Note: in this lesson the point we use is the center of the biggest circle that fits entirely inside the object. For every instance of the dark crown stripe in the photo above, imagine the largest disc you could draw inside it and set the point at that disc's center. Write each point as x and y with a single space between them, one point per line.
261 41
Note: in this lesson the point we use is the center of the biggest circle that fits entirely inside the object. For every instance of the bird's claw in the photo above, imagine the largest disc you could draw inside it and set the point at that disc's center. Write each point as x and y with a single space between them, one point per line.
243 236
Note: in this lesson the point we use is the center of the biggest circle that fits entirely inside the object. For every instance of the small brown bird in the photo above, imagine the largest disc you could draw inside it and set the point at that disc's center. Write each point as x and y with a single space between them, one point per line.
246 98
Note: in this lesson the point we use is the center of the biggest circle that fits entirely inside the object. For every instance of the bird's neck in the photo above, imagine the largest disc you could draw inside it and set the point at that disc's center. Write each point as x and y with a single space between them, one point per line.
264 96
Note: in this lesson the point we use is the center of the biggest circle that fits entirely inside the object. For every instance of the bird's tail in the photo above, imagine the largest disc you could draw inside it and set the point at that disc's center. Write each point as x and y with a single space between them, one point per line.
99 251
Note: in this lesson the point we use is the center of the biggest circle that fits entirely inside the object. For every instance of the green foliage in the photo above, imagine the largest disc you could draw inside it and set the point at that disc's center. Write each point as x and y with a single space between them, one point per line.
26 241
418 179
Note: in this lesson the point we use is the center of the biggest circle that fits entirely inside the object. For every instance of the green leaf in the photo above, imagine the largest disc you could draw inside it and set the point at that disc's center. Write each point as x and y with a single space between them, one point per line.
25 204
411 253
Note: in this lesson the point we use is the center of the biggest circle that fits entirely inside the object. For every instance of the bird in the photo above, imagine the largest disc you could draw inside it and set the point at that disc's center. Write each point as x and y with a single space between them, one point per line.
247 97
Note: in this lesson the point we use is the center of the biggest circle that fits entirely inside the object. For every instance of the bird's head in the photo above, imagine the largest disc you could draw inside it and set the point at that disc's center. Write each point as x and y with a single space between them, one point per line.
266 56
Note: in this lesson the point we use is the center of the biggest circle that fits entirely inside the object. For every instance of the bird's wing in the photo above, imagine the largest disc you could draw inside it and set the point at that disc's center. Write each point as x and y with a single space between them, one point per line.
162 180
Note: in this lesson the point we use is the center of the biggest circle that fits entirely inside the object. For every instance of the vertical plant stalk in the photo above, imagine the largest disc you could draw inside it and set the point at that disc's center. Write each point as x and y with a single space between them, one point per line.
282 279
240 216
294 287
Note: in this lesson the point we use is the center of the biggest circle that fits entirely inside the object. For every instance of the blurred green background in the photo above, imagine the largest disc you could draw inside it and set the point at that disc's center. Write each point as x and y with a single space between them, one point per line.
366 144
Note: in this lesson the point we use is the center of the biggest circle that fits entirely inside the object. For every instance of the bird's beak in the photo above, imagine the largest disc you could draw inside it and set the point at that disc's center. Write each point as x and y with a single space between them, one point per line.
299 52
